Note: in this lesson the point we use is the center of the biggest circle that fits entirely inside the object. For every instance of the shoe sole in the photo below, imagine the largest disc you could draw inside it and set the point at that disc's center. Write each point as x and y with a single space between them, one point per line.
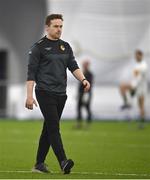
68 166
38 171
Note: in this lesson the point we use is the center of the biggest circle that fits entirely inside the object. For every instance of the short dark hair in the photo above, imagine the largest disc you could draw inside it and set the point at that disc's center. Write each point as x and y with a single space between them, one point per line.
139 52
51 17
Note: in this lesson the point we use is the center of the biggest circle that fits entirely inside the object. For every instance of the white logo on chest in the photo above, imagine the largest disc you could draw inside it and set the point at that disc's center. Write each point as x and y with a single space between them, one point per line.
48 48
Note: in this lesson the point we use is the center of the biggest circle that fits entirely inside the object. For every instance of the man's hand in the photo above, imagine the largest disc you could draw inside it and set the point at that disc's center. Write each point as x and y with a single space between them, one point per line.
136 73
86 85
80 76
30 102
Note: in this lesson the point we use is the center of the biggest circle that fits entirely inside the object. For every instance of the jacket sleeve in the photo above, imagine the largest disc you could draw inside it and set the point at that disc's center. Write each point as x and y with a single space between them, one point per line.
33 63
72 64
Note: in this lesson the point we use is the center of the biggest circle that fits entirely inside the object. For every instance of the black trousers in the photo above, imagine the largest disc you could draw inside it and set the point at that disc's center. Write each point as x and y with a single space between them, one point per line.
87 106
51 107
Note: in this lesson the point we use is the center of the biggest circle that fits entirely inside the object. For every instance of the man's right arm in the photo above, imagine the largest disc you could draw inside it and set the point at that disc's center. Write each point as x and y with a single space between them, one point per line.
34 59
30 100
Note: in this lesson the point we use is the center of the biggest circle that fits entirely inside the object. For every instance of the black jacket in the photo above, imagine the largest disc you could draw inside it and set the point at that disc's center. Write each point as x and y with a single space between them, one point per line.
48 62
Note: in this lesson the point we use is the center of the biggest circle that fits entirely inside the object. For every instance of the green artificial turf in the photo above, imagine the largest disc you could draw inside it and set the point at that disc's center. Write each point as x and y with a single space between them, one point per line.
104 150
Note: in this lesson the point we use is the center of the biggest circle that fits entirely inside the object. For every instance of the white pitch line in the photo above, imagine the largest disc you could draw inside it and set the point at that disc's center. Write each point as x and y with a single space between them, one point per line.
17 171
83 173
113 174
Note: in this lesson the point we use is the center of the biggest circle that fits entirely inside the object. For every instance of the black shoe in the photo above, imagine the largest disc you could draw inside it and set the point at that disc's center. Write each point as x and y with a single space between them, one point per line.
126 106
40 168
66 166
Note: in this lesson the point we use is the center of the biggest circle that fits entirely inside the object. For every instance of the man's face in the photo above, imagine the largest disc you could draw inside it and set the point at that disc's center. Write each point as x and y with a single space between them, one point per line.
138 57
54 30
86 65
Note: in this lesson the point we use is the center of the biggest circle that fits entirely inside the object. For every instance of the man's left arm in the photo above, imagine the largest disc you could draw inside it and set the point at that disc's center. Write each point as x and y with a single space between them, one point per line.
74 68
80 76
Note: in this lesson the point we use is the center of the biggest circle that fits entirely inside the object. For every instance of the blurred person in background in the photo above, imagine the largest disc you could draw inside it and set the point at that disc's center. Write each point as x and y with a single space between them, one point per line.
137 86
49 59
84 98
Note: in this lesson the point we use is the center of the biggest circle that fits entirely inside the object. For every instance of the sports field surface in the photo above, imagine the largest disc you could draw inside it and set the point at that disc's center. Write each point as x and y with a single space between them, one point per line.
105 150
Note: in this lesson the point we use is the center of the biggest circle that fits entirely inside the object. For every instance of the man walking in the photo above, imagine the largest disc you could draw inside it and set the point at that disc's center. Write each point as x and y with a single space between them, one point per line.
49 59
